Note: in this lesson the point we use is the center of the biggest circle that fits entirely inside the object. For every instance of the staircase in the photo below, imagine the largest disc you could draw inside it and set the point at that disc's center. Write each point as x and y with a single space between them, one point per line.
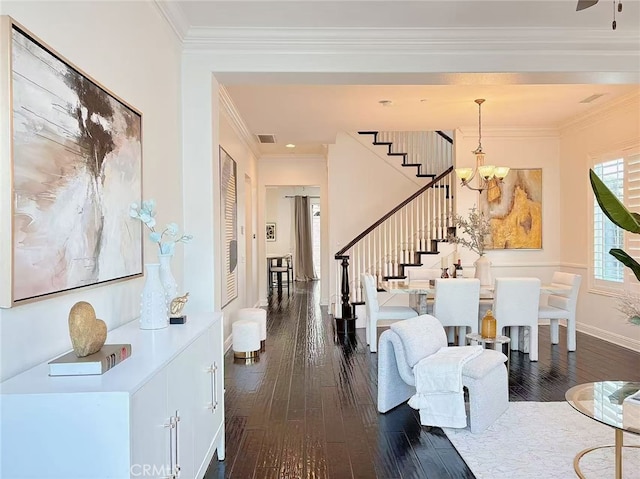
402 237
430 152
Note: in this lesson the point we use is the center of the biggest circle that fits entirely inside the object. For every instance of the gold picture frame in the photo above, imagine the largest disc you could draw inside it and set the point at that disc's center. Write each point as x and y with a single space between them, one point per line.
70 166
514 209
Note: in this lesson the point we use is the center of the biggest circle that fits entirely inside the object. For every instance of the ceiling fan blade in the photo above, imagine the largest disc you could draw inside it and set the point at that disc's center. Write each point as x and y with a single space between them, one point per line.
582 4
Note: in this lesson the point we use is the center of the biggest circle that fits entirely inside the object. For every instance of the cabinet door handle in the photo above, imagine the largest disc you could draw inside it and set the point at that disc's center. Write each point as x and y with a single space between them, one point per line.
214 391
172 464
212 371
176 471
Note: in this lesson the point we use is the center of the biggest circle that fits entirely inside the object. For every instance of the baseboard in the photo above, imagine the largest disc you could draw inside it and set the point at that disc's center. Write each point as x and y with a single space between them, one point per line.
610 337
228 343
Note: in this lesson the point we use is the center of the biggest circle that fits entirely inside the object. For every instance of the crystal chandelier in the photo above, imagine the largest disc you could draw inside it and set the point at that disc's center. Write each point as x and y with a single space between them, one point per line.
488 175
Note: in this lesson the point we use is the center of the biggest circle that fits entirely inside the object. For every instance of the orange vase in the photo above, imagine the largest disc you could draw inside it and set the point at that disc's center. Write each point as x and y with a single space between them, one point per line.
489 325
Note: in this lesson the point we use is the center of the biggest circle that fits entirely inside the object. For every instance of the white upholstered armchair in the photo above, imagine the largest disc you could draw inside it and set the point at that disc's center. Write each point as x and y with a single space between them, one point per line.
485 376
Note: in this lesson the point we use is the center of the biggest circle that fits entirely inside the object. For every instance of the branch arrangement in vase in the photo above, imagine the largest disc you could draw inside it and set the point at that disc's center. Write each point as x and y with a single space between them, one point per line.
166 239
476 228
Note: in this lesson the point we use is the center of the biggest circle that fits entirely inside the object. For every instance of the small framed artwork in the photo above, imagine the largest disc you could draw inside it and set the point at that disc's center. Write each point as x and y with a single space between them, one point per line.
271 231
70 167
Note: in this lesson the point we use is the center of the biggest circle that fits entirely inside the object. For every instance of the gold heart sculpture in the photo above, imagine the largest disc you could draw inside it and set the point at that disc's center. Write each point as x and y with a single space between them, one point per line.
87 332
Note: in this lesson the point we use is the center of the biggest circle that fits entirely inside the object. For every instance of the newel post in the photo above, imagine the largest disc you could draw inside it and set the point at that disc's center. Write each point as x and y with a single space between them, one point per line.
344 289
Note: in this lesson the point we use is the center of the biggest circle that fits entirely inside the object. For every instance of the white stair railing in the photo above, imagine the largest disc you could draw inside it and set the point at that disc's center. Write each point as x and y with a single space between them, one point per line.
399 239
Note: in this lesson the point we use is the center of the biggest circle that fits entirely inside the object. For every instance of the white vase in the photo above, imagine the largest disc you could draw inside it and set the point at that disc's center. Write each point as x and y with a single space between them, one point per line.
483 271
166 278
153 304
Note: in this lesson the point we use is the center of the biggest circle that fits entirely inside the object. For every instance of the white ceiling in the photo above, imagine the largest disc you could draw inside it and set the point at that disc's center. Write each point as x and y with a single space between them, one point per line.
404 14
310 115
308 110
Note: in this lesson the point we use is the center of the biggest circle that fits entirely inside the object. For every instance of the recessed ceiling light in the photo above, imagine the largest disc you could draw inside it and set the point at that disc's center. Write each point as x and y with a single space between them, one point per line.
385 102
290 145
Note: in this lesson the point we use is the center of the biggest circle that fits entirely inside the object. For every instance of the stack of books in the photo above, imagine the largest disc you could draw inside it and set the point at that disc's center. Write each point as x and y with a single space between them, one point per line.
97 363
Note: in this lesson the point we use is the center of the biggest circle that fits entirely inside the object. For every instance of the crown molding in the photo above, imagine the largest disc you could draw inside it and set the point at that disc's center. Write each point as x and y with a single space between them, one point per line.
576 40
229 109
172 12
603 112
469 132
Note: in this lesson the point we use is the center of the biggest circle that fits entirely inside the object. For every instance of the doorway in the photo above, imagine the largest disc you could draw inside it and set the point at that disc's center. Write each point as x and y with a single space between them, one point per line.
280 224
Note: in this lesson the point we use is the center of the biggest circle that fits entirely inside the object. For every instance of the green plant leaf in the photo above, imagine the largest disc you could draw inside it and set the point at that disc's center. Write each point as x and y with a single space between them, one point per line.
626 260
612 207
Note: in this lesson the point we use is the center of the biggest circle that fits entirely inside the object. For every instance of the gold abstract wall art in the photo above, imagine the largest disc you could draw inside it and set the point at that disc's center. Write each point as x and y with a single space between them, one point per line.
514 209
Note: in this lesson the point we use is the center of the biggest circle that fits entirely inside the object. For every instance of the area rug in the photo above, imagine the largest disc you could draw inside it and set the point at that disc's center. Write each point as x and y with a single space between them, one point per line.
534 440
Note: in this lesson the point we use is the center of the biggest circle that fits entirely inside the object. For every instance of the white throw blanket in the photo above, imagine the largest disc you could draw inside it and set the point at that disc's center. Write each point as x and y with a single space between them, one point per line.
439 393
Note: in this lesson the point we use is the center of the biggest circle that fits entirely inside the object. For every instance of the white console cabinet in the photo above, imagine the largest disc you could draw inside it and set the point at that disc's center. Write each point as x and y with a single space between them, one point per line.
158 414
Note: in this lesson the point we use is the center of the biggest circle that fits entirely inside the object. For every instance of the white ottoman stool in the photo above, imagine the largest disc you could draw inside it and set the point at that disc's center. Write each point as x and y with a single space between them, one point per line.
260 316
246 339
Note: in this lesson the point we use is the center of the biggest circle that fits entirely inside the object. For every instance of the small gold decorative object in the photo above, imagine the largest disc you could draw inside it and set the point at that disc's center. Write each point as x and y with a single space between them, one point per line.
175 309
489 326
87 332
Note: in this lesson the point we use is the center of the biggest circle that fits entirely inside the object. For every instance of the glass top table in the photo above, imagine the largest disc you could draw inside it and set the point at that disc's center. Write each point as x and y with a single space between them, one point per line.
614 403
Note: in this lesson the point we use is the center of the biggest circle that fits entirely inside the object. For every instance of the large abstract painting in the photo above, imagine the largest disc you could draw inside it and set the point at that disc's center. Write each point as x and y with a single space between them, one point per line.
228 227
515 210
76 167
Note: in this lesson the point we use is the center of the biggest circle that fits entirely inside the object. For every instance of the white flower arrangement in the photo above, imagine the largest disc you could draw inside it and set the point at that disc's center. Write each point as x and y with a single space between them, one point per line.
476 227
168 238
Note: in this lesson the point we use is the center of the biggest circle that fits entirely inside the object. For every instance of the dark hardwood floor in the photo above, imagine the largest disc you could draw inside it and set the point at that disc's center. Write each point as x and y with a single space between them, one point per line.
307 409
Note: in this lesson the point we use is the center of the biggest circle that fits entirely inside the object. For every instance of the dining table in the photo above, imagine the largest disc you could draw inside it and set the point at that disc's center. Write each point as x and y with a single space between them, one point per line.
421 291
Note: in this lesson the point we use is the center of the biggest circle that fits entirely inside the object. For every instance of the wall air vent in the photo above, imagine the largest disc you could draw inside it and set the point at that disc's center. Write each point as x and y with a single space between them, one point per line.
266 138
591 98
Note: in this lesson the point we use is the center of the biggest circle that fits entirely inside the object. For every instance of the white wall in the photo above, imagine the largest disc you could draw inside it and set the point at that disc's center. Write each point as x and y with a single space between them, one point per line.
608 129
278 210
130 50
245 160
308 171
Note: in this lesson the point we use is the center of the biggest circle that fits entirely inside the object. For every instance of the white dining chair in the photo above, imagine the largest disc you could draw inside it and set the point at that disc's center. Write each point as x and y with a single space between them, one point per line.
456 305
515 303
380 315
562 306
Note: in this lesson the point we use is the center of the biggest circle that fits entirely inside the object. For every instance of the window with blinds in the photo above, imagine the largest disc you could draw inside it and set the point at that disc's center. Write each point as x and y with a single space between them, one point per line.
606 235
622 177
